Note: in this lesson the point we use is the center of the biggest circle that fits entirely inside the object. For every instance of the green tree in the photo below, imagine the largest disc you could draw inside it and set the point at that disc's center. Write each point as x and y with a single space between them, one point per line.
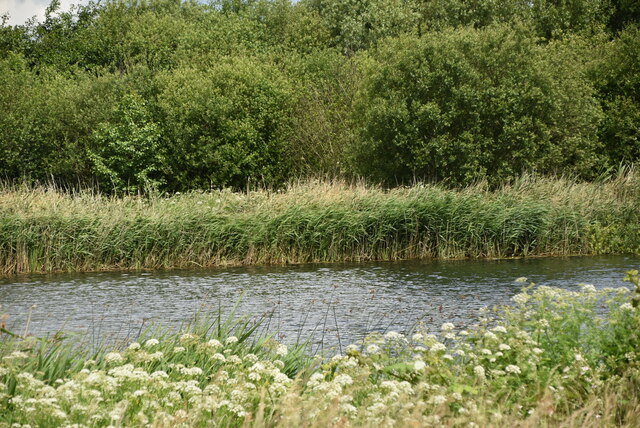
357 24
227 124
618 83
465 104
127 153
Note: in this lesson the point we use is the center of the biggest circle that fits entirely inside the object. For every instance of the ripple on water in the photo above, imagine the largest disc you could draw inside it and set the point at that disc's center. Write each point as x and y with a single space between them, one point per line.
321 302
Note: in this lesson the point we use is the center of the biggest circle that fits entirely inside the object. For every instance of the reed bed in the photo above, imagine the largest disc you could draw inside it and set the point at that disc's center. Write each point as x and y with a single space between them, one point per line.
44 229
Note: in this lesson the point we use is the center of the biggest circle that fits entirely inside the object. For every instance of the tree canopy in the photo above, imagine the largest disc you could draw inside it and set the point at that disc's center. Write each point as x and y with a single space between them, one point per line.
176 95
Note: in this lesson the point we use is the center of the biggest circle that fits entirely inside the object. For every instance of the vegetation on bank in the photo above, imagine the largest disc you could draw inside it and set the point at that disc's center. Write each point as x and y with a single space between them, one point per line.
43 230
127 95
553 358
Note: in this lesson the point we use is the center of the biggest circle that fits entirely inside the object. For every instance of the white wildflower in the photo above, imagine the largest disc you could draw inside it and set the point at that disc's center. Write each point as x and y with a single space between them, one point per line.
438 399
349 409
491 336
151 342
447 326
218 356
282 350
587 288
343 379
436 347
190 371
234 359
627 307
214 343
251 358
188 337
160 374
512 369
373 349
113 357
521 298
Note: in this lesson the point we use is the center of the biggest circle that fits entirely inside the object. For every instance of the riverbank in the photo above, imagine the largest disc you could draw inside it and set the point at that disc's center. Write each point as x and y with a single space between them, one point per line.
44 230
553 358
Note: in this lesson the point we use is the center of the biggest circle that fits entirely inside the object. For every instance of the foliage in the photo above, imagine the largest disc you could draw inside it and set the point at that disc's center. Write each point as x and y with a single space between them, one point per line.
619 90
463 105
226 125
235 92
129 153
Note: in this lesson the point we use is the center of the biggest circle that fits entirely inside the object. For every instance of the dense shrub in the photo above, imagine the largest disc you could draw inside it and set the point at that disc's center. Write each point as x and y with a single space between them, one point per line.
468 104
619 90
226 124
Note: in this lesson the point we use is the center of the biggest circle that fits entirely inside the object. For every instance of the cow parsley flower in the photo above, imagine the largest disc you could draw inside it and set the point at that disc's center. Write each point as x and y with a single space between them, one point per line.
447 326
282 350
151 342
113 357
436 347
438 399
587 288
373 349
512 369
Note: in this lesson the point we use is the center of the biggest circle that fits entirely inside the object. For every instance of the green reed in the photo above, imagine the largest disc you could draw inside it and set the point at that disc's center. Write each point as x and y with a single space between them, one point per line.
44 230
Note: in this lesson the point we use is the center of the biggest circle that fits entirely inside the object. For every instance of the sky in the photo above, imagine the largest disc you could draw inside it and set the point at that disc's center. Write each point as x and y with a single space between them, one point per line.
21 10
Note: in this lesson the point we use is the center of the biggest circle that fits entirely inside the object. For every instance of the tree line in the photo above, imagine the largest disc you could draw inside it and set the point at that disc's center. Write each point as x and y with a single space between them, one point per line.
176 95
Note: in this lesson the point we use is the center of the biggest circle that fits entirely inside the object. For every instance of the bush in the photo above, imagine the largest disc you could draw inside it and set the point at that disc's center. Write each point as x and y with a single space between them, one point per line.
127 153
226 125
618 80
468 104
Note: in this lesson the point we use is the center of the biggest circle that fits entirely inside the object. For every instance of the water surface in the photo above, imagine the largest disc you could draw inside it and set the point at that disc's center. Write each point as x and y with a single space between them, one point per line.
333 304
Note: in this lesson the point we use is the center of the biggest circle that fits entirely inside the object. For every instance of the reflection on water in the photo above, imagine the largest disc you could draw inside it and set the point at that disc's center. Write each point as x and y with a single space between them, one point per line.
333 304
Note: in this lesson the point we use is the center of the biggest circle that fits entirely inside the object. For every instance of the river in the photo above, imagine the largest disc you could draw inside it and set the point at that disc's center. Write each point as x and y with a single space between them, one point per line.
332 305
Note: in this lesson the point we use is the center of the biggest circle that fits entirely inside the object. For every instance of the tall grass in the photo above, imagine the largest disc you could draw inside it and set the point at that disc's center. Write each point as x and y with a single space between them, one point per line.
43 229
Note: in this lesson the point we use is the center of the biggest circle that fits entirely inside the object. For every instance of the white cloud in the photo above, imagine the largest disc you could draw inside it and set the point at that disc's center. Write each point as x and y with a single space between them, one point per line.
21 10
